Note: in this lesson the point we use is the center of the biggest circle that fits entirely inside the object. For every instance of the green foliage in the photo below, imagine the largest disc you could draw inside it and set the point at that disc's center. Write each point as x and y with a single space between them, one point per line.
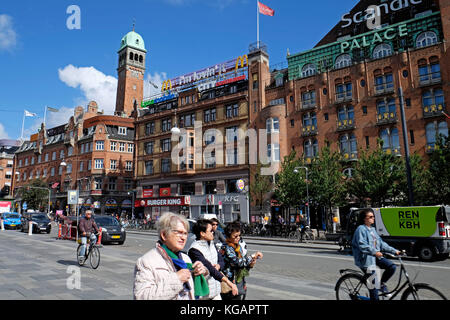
260 186
439 169
36 198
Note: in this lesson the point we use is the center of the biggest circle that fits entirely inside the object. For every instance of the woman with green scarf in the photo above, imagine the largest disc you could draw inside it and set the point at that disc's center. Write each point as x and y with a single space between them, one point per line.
237 263
165 273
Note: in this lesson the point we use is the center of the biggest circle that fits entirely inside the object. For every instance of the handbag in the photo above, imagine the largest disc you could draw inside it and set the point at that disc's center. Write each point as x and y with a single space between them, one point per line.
225 288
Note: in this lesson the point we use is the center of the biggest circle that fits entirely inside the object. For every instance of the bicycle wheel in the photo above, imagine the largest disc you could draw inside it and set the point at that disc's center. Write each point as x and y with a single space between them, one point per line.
422 291
94 257
346 288
305 237
80 262
292 236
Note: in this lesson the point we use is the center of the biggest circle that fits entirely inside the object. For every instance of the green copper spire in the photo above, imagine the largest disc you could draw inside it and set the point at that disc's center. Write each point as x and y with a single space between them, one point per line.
133 40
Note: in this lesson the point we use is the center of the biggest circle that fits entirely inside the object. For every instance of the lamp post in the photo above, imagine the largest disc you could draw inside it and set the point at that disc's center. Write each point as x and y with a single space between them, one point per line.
296 170
64 164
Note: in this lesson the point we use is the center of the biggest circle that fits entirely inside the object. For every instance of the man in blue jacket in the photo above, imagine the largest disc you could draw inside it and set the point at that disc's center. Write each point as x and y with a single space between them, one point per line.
367 251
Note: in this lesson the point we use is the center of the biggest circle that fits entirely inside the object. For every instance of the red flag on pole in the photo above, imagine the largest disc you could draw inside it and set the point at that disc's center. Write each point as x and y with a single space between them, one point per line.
265 10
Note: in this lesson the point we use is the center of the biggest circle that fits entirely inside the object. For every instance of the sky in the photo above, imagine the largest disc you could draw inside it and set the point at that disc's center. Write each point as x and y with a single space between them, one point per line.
56 55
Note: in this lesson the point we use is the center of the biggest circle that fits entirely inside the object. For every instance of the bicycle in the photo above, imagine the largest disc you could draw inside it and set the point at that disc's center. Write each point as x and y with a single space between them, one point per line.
304 235
353 285
92 253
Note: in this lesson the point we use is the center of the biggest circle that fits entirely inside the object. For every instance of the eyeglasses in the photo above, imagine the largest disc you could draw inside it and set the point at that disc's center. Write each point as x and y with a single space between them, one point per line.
236 236
180 233
370 217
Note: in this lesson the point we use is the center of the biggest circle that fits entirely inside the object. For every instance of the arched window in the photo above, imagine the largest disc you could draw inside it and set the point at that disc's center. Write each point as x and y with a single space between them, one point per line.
425 39
141 59
381 51
131 55
311 148
136 57
434 130
309 70
390 139
348 146
343 61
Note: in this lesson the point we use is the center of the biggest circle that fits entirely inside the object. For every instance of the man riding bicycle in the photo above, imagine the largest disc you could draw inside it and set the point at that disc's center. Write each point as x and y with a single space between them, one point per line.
87 227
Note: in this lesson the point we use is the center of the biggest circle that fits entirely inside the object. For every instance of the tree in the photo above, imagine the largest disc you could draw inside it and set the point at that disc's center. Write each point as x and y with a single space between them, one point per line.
35 197
440 171
376 177
260 186
327 183
290 187
420 181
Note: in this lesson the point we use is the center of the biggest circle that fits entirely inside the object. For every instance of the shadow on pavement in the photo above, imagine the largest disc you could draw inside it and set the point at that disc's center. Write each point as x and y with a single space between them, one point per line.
68 262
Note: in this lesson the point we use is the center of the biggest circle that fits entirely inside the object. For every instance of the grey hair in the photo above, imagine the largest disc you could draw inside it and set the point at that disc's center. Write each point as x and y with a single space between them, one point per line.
168 221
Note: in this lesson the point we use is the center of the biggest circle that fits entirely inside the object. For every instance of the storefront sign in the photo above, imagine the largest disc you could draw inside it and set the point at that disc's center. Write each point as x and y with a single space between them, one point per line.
147 193
240 185
111 203
375 38
228 81
126 203
376 11
146 104
164 192
166 202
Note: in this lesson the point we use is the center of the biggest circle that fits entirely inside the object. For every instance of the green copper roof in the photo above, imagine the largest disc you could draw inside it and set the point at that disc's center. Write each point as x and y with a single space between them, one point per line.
133 40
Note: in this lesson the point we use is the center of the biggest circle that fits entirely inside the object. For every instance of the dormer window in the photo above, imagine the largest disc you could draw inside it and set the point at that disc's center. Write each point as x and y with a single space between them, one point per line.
123 131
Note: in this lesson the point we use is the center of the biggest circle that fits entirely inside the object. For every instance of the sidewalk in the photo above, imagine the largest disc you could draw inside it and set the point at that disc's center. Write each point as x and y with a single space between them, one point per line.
275 241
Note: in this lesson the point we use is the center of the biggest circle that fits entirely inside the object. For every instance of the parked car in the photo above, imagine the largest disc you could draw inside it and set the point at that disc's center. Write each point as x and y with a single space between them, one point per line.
39 220
112 230
11 220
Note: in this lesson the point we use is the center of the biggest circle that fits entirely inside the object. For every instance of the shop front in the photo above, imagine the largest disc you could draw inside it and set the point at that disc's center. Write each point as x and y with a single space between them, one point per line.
228 208
153 208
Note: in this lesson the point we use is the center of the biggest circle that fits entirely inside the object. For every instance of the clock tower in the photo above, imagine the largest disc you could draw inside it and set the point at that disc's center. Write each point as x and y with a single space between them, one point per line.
131 70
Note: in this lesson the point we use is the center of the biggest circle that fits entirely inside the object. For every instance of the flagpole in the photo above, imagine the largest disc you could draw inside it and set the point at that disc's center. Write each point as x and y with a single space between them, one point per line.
257 23
23 124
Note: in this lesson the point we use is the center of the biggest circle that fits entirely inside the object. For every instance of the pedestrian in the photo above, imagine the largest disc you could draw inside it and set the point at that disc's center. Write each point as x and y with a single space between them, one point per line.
237 264
164 273
204 250
367 251
219 238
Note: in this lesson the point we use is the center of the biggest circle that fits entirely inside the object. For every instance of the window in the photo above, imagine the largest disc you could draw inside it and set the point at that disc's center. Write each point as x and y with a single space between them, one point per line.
309 70
89 165
272 125
113 145
81 166
348 146
98 184
311 148
100 145
99 164
187 120
123 131
346 116
232 134
166 125
210 136
425 39
232 157
112 183
279 81
430 73
32 160
381 51
113 165
121 146
46 157
273 152
44 174
434 130
60 170
343 61
150 128
309 99
386 109
344 92
310 120
255 81
390 139
26 161
39 159
69 167
130 148
210 159
433 99
165 166
384 83
52 172
232 111
129 166
209 115
149 147
277 102
166 145
128 184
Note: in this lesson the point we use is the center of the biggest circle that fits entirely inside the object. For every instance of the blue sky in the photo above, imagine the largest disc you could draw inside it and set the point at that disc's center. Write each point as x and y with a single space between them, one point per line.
44 63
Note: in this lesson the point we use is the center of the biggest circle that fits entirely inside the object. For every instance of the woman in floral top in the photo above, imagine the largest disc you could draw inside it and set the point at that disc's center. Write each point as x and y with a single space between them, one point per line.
237 264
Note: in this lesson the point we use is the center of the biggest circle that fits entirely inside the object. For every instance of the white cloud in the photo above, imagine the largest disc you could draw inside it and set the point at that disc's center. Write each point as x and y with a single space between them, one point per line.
94 84
151 81
8 37
3 133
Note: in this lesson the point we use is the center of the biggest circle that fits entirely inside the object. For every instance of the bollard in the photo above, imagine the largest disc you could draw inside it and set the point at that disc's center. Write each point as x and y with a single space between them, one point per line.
59 230
30 228
3 225
99 240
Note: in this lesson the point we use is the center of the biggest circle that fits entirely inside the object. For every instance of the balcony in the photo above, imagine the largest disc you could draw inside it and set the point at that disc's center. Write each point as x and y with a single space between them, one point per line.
346 124
384 88
387 118
308 105
430 79
430 148
394 151
350 156
308 131
345 96
433 110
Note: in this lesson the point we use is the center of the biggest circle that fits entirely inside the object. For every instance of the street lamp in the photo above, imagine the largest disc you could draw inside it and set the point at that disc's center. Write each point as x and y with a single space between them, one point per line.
296 170
64 164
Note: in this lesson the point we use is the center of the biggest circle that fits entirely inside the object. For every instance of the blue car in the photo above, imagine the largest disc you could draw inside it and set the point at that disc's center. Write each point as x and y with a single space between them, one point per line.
11 220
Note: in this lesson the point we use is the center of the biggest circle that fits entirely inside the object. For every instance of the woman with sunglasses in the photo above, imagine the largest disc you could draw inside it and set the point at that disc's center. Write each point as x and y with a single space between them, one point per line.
367 251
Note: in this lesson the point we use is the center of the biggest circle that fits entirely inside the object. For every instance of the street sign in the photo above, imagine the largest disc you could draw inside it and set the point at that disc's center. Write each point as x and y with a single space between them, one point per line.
72 197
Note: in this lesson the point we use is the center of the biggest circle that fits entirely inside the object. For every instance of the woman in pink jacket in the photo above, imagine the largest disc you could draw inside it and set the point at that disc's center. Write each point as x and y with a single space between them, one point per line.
165 273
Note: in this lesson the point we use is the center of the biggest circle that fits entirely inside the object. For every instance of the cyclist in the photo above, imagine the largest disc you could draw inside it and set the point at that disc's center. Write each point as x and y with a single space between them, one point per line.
87 227
367 251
